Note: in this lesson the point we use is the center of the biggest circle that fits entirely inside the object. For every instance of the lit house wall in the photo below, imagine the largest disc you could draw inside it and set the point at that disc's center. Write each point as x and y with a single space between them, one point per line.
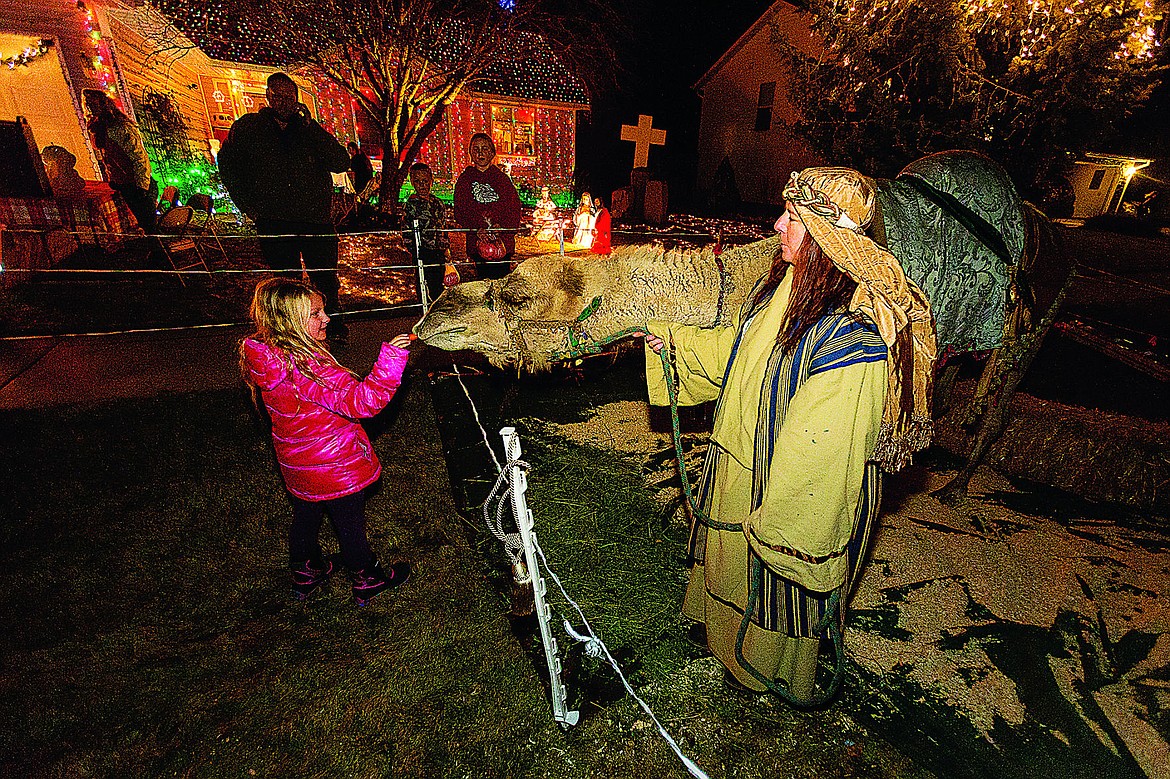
535 140
80 59
746 114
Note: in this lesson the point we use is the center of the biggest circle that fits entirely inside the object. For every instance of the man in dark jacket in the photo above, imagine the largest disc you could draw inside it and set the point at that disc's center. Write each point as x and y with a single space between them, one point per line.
276 165
361 170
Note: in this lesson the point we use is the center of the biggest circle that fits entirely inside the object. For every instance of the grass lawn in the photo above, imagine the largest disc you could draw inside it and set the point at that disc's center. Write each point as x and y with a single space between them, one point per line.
150 632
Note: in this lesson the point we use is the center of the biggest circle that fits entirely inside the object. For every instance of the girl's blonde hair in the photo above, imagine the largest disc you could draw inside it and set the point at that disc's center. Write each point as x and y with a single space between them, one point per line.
280 310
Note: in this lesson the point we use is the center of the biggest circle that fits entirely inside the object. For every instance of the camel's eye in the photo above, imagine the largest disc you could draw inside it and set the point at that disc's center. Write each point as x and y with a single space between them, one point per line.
489 300
514 298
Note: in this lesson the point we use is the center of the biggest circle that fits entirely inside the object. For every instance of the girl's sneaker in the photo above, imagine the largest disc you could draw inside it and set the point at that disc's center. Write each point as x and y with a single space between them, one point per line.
373 579
308 577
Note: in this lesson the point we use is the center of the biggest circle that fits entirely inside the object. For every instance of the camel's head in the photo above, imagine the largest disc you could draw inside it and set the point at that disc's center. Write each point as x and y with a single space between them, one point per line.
514 320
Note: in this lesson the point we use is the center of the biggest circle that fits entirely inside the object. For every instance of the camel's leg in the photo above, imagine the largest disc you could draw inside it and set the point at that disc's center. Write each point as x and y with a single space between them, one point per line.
991 426
1010 370
987 389
944 387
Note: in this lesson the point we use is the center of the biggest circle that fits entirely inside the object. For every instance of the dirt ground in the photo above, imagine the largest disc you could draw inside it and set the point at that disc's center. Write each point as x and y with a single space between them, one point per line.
1014 635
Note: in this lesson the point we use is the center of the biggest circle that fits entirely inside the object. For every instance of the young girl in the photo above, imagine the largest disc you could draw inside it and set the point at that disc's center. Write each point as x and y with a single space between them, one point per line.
324 455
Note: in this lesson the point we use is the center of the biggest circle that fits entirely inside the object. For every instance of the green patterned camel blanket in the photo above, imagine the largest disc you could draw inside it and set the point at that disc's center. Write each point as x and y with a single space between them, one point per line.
952 219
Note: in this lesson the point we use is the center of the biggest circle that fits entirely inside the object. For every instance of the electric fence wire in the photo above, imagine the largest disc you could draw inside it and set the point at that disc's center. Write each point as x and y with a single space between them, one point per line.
226 271
1114 278
249 236
593 642
182 328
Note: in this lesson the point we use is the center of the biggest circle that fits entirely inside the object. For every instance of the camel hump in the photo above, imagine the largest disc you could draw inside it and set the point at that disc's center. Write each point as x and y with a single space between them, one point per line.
979 185
956 224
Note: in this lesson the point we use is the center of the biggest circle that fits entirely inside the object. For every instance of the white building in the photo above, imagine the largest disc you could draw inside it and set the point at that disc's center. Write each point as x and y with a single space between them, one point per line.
1100 181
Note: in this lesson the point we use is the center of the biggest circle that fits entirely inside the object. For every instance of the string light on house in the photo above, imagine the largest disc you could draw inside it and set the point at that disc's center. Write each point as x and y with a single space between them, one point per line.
28 54
99 61
529 73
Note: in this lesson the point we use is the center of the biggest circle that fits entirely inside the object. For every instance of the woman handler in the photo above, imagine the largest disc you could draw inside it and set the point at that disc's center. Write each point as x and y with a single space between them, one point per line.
824 377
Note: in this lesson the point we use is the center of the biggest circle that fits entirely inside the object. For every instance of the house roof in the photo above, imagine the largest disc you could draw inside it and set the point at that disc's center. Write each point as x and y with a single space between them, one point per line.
238 37
744 39
1115 159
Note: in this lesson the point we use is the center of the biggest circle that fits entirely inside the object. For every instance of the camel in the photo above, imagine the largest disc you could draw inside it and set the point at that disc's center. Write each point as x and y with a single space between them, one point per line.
531 317
554 307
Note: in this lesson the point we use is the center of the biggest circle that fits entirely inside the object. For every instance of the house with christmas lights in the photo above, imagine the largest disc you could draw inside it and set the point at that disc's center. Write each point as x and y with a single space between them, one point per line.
533 124
183 101
184 93
746 115
50 51
529 107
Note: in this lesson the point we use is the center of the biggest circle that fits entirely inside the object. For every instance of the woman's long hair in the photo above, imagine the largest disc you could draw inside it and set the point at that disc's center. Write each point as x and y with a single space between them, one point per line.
280 310
818 288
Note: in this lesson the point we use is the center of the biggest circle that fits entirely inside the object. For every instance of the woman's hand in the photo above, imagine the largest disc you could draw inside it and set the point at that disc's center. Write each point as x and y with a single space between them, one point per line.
402 341
655 343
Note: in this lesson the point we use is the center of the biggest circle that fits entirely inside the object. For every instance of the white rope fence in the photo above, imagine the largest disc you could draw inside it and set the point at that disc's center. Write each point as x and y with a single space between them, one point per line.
594 646
182 328
251 236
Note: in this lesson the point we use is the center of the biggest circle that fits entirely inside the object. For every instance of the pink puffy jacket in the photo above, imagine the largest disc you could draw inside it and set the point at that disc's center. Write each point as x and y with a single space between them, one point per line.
323 453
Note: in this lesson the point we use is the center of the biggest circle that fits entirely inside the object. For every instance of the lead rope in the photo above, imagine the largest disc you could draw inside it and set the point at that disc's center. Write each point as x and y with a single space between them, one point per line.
833 618
831 621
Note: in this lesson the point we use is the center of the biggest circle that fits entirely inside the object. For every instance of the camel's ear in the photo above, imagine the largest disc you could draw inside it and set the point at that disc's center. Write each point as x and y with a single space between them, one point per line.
571 279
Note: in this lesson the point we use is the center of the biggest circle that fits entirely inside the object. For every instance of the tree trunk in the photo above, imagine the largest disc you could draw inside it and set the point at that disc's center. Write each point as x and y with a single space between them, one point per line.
394 176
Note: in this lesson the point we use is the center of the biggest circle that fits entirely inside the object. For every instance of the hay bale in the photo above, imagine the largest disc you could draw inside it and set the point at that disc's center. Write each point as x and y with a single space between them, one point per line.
1097 455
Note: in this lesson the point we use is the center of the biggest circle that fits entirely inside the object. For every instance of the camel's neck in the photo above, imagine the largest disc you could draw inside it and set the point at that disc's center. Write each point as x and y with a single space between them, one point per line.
692 288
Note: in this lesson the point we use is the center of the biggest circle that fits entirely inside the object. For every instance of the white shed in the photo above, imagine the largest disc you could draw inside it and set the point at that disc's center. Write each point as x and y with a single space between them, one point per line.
1100 181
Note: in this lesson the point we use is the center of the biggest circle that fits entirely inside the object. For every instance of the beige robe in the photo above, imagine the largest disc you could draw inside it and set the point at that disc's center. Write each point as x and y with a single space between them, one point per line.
813 491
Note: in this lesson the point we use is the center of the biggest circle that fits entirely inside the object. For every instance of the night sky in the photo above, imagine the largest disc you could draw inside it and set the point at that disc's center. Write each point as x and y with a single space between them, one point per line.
666 48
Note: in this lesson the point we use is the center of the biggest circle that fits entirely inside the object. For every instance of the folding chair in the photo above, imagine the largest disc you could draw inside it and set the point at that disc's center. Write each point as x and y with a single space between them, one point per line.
177 245
170 196
202 205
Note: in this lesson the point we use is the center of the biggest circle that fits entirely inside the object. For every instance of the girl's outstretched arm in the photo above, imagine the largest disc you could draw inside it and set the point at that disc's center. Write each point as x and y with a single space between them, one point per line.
342 394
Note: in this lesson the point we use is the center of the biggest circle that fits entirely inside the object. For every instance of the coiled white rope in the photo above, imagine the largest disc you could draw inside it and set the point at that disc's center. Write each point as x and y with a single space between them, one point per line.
594 646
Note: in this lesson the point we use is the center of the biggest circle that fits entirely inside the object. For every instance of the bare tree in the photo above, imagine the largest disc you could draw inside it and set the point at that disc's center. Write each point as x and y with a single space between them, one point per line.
405 61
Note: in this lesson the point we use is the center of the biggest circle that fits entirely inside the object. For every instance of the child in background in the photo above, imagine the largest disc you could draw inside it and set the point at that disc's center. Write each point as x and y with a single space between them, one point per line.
485 198
431 215
325 456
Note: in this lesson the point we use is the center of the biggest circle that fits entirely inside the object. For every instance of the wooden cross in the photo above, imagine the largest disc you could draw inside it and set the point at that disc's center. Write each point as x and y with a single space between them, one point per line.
643 135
